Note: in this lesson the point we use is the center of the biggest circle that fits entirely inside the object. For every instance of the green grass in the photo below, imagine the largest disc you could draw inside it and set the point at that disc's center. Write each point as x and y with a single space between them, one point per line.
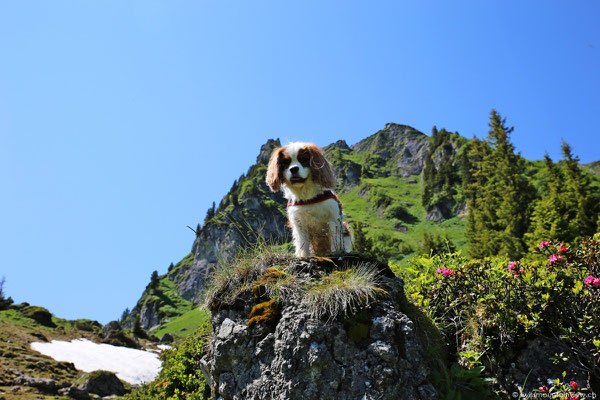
184 325
185 262
17 331
359 208
170 302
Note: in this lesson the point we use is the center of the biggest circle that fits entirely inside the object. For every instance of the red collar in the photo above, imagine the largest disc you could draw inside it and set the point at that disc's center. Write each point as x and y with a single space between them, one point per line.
326 195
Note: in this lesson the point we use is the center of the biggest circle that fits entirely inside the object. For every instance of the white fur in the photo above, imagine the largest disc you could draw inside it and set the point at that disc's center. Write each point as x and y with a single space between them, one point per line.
310 221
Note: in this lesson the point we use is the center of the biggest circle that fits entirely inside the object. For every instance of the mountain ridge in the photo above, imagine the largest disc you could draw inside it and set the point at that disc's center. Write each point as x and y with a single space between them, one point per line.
381 181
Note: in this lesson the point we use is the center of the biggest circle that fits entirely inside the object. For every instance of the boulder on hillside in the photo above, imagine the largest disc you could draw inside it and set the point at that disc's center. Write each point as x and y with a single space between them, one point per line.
102 383
45 385
314 329
112 326
167 338
113 333
39 314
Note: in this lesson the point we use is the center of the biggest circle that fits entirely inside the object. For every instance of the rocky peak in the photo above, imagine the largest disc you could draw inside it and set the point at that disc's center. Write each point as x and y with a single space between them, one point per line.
341 144
401 147
266 150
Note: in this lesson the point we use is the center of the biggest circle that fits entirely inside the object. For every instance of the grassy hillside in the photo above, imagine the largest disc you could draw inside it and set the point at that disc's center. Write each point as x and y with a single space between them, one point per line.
392 215
184 325
164 298
19 327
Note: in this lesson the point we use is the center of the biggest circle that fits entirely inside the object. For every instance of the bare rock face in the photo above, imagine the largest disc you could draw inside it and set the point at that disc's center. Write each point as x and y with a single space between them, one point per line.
373 354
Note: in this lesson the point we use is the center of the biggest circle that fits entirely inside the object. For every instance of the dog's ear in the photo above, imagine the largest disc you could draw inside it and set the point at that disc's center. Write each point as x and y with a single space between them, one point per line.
322 171
273 178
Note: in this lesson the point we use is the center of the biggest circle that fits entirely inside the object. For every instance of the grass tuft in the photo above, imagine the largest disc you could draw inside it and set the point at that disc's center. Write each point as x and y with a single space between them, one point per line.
343 293
230 278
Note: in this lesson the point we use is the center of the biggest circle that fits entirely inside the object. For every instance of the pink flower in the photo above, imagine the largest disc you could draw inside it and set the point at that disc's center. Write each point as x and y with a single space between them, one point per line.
554 258
588 280
543 389
445 271
574 385
522 270
512 265
544 243
591 281
562 249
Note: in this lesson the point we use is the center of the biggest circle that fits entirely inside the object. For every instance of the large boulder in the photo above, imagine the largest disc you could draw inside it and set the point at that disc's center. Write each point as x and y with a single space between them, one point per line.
39 314
371 353
102 383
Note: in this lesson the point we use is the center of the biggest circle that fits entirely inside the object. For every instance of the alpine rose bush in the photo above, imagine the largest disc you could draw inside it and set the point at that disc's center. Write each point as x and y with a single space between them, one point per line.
489 306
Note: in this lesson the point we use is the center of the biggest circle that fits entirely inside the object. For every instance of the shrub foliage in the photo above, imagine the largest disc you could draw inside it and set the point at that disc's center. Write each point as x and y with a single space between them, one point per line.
488 307
180 377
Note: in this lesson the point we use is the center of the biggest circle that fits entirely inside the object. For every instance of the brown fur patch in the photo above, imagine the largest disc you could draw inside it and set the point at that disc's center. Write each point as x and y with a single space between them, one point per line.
322 171
274 177
321 244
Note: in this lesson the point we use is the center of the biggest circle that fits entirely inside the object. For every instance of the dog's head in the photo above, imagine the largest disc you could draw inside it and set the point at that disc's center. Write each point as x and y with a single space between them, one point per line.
297 164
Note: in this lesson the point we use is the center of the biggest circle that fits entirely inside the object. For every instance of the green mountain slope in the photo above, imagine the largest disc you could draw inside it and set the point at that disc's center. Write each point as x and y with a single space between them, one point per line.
398 184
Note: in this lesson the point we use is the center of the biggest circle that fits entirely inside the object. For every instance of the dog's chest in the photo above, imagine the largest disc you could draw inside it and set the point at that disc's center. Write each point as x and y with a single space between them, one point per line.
314 214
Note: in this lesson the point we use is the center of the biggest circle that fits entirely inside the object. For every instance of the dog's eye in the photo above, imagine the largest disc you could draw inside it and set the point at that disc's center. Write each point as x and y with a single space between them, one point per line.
285 163
304 158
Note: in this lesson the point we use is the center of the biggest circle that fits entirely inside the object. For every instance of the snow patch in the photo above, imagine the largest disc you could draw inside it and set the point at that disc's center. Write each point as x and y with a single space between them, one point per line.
130 365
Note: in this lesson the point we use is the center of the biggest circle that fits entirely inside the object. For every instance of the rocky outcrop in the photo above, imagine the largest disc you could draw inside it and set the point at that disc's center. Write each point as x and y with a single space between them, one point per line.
241 217
402 148
372 353
45 385
149 315
94 384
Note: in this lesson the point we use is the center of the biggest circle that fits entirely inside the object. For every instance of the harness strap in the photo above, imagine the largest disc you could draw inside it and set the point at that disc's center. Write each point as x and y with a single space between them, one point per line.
326 195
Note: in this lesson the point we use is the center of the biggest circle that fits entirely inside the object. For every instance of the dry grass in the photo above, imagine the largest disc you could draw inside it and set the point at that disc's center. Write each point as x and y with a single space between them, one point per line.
270 272
344 293
231 277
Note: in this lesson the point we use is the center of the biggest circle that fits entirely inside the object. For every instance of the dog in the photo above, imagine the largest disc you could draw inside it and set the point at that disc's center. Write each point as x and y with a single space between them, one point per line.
314 211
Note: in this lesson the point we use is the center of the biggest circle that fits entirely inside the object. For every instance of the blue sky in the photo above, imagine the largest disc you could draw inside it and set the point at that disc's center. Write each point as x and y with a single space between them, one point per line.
121 122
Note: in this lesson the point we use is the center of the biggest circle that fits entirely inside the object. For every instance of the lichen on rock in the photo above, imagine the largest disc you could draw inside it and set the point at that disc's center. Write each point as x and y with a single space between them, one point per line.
368 351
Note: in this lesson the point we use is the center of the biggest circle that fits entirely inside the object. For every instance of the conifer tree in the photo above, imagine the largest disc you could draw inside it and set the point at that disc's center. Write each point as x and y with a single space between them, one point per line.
566 208
435 244
362 243
549 216
137 328
125 314
498 194
154 280
210 213
475 176
580 201
4 302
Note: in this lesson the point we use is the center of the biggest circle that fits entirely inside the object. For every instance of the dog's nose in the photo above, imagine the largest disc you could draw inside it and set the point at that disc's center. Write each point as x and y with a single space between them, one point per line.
294 170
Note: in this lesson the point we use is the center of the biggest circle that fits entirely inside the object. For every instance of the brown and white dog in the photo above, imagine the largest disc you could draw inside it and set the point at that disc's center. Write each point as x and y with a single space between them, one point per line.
314 211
